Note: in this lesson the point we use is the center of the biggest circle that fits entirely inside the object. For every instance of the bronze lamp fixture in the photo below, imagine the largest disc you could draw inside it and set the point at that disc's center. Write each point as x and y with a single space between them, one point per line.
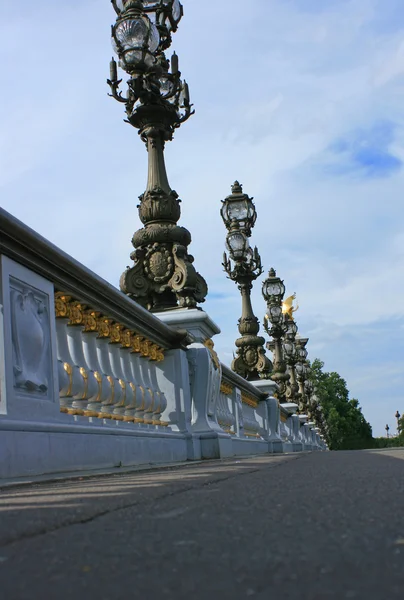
273 291
243 265
157 102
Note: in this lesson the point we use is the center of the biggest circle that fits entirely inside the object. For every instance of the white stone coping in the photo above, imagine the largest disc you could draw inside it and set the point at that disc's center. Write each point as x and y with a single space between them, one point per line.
250 387
290 407
25 246
194 320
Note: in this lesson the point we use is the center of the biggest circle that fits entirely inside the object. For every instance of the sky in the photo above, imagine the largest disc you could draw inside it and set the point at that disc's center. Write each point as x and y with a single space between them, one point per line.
300 100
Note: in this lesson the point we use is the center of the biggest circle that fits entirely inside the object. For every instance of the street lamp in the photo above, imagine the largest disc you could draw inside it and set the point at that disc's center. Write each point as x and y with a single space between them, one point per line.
387 428
240 207
273 291
308 389
244 266
291 355
156 102
302 369
398 417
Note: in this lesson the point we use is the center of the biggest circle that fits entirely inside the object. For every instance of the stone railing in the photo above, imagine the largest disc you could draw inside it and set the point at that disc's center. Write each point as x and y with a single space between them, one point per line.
106 370
67 329
239 410
89 379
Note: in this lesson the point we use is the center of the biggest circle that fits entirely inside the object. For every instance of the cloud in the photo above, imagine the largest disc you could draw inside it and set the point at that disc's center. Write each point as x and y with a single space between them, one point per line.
365 153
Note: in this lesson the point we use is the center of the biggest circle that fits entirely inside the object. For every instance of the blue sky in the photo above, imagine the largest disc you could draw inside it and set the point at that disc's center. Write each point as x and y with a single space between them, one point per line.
300 100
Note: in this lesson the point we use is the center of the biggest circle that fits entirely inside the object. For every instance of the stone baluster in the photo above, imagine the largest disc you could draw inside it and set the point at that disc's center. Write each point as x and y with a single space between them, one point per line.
238 413
225 414
75 343
71 383
220 412
147 396
90 334
144 369
137 395
127 396
116 394
156 356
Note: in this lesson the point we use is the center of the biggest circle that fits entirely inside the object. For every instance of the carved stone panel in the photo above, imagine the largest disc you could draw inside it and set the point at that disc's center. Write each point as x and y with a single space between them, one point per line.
28 356
30 338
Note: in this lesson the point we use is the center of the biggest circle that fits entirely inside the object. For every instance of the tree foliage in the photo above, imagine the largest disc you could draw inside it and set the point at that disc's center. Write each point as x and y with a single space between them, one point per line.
347 428
392 441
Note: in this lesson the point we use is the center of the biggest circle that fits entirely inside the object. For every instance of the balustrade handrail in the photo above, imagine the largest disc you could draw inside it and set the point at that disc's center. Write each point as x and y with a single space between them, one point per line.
231 378
25 246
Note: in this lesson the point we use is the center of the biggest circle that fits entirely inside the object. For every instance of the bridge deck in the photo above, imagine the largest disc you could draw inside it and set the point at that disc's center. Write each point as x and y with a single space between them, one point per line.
305 526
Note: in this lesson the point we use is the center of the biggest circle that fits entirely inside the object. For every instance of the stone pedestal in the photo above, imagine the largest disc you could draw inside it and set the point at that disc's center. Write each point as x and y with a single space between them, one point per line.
209 440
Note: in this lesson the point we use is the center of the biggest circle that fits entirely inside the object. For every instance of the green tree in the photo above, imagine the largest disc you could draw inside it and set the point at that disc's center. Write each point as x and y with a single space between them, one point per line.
401 427
346 425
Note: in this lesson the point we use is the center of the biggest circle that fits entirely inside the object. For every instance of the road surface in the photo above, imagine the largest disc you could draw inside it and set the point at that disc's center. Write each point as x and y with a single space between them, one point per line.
299 527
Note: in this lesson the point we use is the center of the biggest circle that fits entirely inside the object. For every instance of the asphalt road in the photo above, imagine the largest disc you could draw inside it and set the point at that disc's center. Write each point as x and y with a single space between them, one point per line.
300 527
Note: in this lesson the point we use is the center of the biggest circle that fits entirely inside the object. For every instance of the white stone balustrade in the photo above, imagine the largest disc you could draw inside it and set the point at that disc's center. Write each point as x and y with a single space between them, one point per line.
111 371
89 379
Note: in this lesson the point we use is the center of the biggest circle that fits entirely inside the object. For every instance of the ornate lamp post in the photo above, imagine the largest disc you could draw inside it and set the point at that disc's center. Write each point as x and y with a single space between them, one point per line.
156 103
292 357
398 417
308 392
301 369
273 290
244 266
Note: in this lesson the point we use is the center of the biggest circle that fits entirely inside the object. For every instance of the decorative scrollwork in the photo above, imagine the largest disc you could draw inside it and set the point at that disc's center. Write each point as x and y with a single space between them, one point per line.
249 400
62 306
209 344
226 388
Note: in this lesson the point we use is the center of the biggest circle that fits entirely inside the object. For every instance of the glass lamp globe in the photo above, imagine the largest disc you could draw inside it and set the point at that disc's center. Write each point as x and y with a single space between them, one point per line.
274 314
273 287
300 369
237 245
239 207
289 348
135 40
292 329
166 14
302 353
175 9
